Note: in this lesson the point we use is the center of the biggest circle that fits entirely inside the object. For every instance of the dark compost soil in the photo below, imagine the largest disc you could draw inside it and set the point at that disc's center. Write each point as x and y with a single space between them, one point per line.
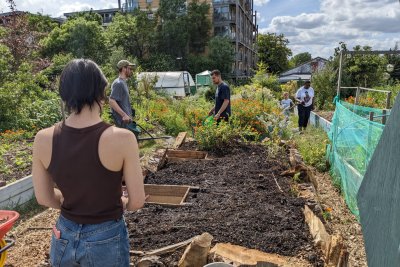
238 202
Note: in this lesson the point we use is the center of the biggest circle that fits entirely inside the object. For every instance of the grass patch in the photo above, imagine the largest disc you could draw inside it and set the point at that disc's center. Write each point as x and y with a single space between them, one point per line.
148 147
28 210
312 146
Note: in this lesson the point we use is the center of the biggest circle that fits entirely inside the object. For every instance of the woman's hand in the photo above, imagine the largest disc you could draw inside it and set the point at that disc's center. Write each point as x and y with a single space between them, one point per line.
124 200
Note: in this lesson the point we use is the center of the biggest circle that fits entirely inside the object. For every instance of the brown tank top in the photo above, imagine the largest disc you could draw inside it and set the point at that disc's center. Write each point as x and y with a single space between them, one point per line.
92 193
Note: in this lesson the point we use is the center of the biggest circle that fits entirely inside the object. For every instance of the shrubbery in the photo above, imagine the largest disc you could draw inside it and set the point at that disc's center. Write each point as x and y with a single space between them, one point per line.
220 137
24 102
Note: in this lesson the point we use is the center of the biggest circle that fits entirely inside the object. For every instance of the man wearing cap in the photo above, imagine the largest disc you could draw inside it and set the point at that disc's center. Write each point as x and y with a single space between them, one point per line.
119 99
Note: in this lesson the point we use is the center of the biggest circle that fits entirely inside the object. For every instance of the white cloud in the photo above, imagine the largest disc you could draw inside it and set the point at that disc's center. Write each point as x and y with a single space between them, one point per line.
260 19
260 2
355 22
74 7
57 8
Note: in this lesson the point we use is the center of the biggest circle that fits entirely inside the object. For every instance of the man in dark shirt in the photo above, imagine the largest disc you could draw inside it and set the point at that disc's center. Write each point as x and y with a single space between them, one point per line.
222 108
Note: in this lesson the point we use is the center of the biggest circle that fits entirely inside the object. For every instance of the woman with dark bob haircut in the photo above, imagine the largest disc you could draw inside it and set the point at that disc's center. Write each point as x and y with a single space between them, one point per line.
87 159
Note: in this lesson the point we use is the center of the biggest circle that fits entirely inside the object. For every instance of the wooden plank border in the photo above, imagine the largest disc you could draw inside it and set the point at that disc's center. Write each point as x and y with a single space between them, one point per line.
320 122
16 193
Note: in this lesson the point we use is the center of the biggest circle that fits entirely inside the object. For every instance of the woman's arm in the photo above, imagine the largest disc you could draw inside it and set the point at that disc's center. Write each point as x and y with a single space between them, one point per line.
43 184
132 172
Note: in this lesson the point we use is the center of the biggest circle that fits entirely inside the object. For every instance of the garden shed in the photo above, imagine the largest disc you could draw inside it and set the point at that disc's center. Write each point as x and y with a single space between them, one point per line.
304 71
175 83
203 79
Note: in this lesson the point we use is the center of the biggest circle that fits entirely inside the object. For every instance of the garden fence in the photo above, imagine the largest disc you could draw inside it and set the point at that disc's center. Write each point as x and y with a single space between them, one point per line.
354 134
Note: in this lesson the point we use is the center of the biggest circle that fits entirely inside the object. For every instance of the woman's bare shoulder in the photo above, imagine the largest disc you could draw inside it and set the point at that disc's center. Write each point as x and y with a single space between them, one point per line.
118 136
44 135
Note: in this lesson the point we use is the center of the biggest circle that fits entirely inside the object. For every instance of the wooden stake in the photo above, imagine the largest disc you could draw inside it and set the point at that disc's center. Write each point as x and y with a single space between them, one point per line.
280 189
163 250
179 140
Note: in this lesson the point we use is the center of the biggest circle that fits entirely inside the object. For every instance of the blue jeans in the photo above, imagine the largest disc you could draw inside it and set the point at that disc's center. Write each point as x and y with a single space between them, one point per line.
105 244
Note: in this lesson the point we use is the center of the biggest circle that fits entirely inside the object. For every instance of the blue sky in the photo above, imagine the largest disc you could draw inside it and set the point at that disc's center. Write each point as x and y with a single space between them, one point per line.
314 26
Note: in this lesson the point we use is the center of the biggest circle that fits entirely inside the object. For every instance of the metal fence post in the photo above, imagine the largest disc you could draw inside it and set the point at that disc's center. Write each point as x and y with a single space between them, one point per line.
357 95
389 96
384 112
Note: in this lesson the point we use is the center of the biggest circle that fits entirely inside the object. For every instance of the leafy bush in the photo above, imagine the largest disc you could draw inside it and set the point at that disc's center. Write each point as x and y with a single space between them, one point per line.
264 79
220 137
59 63
210 93
198 63
5 59
25 103
290 87
275 126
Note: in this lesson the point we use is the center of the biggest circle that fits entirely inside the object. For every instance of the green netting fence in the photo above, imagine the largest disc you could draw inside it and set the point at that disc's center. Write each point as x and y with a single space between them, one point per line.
353 140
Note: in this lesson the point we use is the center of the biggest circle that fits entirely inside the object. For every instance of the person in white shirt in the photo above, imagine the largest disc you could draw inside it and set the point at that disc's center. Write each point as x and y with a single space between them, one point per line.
305 99
286 104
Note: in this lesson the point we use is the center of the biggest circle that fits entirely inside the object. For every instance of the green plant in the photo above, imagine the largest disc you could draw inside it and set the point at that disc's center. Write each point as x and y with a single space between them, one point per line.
219 137
327 214
294 190
25 103
325 82
80 37
264 79
312 147
210 94
296 177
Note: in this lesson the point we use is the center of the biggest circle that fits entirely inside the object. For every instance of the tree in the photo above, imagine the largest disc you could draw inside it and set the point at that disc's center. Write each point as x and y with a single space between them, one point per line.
300 59
41 23
325 81
88 16
159 62
134 33
172 33
198 26
366 70
199 63
81 38
395 61
221 54
18 37
360 70
273 51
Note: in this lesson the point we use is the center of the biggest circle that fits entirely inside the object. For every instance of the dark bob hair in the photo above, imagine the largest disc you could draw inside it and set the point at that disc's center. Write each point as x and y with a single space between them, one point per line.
82 83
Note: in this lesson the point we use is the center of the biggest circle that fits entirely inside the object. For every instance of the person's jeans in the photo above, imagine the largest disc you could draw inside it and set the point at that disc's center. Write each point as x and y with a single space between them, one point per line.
105 244
304 115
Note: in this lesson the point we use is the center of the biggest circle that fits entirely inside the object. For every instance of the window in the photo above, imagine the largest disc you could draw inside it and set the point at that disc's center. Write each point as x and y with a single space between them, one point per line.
130 5
222 13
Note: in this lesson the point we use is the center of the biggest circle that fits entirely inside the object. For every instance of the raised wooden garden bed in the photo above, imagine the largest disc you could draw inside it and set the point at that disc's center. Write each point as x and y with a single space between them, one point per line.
166 195
16 193
181 155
